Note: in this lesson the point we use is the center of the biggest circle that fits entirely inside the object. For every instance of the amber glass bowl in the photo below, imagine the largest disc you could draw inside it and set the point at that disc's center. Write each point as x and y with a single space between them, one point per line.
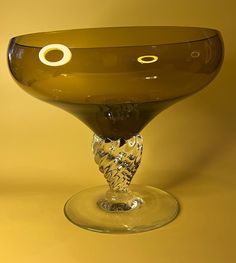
116 80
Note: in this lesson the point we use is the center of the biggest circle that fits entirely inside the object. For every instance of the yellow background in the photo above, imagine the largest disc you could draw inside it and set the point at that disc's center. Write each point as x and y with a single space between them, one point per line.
190 148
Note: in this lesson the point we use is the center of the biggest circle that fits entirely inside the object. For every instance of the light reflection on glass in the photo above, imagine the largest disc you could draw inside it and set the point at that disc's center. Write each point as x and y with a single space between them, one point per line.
67 55
20 53
195 54
147 59
151 77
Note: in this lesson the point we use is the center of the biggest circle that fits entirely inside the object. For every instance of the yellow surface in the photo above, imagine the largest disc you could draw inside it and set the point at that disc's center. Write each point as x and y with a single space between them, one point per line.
190 149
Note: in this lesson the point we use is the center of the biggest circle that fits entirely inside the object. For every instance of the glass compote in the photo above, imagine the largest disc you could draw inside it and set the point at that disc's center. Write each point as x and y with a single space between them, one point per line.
116 80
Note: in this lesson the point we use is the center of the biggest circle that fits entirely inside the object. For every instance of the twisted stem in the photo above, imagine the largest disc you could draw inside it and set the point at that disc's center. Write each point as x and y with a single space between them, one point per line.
118 160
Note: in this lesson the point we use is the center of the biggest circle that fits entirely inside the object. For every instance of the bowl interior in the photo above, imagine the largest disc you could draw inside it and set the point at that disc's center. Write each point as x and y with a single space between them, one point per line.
117 36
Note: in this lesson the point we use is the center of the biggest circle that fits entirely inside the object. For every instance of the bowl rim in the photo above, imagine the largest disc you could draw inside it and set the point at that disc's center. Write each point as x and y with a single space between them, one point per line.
212 33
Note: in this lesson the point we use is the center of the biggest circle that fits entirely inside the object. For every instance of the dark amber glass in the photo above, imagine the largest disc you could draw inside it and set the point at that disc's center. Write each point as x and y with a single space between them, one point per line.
116 79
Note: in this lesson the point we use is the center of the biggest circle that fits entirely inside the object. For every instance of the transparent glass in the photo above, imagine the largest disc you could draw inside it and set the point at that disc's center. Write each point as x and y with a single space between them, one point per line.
116 80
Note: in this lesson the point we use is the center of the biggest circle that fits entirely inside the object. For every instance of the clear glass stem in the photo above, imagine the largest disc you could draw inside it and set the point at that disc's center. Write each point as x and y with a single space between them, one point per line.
118 160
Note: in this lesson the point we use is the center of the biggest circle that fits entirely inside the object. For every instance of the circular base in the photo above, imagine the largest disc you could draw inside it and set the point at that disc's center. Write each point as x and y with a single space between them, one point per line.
158 209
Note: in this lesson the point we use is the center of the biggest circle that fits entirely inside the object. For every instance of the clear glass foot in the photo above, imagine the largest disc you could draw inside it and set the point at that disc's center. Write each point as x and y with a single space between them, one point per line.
119 207
158 208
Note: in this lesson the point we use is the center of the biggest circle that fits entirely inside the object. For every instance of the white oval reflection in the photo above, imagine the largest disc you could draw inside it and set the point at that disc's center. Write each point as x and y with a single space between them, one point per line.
64 60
